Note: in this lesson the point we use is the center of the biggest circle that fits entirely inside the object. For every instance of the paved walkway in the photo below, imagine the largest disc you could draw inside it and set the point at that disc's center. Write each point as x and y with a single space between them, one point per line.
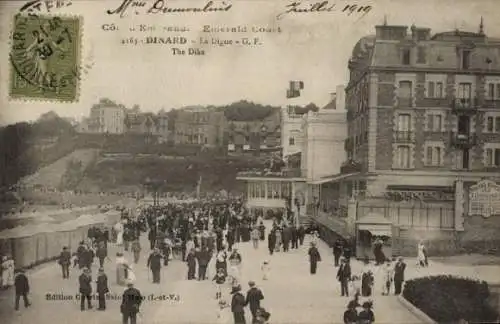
292 295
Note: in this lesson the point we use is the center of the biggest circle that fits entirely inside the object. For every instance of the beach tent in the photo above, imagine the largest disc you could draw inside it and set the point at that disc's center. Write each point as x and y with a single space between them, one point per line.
28 244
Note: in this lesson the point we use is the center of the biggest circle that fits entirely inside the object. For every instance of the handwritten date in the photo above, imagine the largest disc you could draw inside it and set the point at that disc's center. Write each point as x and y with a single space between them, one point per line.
298 7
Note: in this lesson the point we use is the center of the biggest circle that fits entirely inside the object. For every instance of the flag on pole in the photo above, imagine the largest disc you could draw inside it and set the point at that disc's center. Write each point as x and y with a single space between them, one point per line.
198 188
294 89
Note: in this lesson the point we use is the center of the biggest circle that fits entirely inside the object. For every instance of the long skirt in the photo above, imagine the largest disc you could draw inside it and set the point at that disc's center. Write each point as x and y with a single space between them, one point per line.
121 275
119 238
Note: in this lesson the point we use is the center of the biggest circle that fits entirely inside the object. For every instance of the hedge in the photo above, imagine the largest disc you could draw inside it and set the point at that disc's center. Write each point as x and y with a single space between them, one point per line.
448 299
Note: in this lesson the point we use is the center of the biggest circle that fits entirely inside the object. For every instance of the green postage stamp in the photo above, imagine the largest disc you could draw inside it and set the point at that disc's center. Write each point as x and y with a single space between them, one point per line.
45 58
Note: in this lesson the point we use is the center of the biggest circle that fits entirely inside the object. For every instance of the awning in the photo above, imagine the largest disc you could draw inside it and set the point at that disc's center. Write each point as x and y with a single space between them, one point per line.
446 189
381 233
333 178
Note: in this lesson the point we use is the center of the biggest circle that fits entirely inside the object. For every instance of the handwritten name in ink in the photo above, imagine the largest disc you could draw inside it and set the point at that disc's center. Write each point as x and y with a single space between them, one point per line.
34 6
163 7
299 7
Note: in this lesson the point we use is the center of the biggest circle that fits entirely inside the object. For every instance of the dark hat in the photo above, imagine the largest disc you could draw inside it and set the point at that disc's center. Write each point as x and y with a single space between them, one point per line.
101 270
251 283
235 289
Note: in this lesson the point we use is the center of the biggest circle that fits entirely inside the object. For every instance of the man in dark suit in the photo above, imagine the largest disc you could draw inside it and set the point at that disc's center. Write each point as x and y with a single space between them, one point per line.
102 289
254 296
343 275
64 261
85 288
203 258
237 305
22 289
131 302
154 263
314 258
399 275
337 251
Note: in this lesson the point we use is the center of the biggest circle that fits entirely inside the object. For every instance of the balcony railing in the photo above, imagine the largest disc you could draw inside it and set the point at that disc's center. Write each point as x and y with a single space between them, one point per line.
464 105
403 137
405 101
463 140
348 144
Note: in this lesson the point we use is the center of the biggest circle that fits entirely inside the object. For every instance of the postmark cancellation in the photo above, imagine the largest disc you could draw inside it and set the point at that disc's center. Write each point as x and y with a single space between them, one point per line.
45 58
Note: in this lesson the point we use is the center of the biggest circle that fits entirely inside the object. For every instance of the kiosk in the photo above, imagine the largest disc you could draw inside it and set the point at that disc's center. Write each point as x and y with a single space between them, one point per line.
371 230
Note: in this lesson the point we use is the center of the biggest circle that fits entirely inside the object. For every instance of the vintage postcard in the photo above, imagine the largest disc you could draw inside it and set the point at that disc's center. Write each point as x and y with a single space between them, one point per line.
249 161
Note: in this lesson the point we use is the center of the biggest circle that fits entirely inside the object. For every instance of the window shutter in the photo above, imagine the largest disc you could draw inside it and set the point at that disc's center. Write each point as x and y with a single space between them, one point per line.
440 90
430 90
429 155
497 96
438 156
491 91
430 122
439 123
489 124
497 157
497 124
489 157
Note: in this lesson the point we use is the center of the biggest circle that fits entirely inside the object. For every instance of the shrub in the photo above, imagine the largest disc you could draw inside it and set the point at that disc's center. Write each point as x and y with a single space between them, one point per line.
448 299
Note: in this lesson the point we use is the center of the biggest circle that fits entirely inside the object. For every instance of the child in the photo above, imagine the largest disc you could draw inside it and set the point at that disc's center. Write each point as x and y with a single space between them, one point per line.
220 279
75 259
388 275
265 270
221 313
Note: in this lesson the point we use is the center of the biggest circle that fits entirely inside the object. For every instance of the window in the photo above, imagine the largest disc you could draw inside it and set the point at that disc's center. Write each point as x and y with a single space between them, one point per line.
403 156
435 89
405 89
404 122
465 59
465 90
492 157
493 124
462 159
433 156
406 56
291 141
421 55
435 123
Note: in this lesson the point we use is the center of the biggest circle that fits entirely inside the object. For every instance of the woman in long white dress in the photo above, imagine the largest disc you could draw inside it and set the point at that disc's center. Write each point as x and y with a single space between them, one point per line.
119 233
422 255
122 269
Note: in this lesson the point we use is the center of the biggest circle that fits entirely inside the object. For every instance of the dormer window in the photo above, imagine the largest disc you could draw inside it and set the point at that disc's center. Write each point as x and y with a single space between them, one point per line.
406 56
466 59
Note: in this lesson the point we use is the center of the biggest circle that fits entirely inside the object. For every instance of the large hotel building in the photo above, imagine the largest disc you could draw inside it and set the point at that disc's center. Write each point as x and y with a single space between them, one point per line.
423 115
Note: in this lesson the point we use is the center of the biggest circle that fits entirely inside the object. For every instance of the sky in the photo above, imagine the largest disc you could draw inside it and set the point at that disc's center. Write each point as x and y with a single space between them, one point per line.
312 47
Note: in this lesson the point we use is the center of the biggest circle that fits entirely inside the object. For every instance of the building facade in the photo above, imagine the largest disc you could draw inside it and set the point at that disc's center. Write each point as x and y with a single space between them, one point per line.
254 135
321 154
292 136
107 117
199 126
423 116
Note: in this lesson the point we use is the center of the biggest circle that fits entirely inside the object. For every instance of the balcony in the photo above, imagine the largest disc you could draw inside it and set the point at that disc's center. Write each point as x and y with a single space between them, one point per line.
464 106
463 140
405 102
403 137
348 144
351 166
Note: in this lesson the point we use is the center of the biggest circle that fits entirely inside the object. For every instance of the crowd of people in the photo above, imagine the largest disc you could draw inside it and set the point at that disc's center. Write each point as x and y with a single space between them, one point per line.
197 233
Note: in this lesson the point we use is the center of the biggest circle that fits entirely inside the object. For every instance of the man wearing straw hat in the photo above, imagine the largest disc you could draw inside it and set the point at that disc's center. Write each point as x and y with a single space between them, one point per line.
131 301
84 281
